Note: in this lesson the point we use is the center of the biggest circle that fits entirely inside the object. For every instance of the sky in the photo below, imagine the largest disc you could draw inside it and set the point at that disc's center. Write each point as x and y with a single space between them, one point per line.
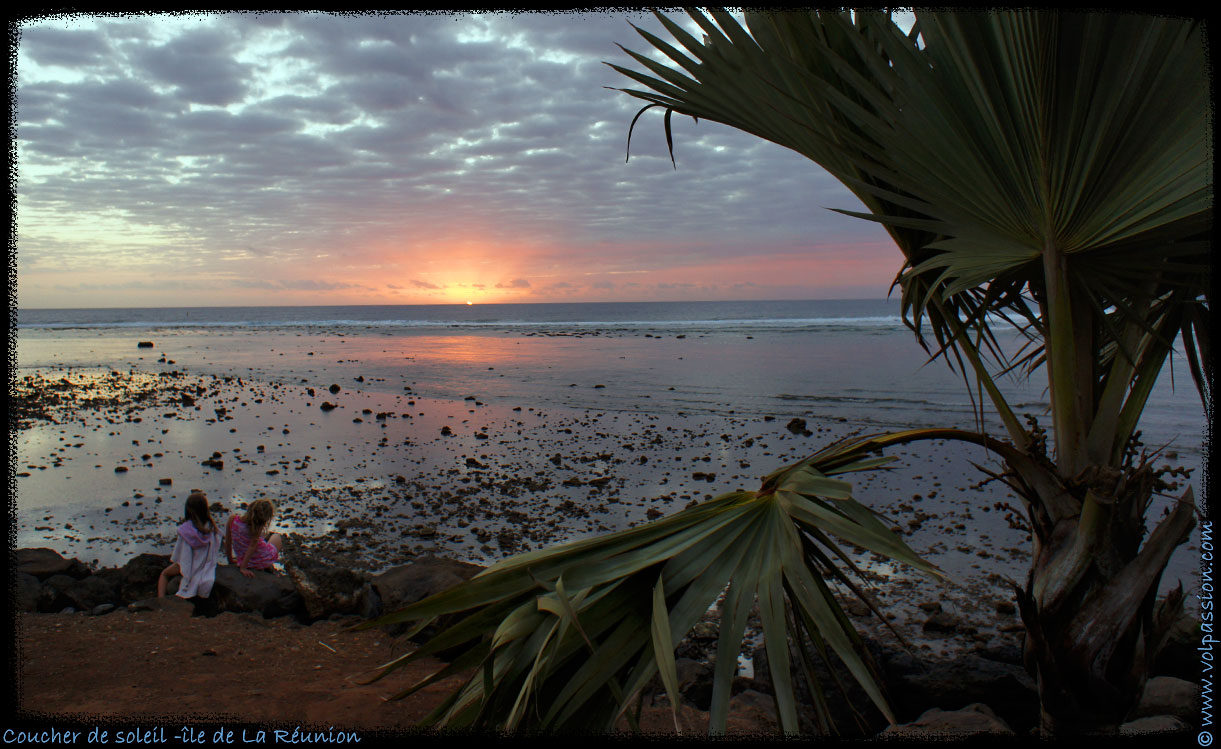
311 159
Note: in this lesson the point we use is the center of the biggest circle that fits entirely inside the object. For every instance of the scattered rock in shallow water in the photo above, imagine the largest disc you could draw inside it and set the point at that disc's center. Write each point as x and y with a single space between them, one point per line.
144 344
942 621
796 426
335 389
327 406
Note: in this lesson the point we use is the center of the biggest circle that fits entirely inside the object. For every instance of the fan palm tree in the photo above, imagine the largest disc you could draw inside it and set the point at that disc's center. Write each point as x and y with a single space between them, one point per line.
1043 171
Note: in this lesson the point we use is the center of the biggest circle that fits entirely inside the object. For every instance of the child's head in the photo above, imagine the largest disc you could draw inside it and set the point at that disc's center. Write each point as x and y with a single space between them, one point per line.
197 511
258 515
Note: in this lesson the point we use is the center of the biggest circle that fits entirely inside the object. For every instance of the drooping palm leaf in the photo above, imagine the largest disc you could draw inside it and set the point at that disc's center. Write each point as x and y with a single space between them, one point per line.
566 638
1000 178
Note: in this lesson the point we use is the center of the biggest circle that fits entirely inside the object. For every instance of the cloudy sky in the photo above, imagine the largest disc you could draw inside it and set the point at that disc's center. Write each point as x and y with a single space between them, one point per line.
239 159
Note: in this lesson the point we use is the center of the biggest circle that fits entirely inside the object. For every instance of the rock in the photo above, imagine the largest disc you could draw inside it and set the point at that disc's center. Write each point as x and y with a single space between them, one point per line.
266 593
370 602
1166 695
43 563
26 590
695 682
1003 653
102 608
137 579
327 406
1153 724
144 344
973 720
915 688
335 389
796 426
90 593
942 621
401 586
53 595
758 705
326 590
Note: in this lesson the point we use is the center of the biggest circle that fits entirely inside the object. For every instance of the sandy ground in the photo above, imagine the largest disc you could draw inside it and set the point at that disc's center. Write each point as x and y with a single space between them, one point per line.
134 671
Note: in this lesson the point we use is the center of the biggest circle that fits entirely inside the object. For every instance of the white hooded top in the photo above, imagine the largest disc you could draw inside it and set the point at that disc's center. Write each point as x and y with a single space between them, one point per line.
196 555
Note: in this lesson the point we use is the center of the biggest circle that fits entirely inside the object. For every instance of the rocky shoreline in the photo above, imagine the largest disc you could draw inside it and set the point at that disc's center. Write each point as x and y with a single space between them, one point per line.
984 691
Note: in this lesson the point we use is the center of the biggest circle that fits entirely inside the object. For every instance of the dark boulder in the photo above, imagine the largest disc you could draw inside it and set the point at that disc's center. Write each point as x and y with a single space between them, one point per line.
267 593
327 590
43 563
25 592
88 594
403 585
53 596
695 682
975 719
1010 691
137 579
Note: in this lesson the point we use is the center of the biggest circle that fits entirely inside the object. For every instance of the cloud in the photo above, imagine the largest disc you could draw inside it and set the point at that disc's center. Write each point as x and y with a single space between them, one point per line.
391 136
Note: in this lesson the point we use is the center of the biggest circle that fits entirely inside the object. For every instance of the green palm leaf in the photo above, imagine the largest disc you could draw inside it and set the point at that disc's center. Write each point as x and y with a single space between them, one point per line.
566 638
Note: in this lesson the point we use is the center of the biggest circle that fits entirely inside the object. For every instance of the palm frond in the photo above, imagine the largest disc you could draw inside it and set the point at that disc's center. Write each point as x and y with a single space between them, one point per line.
566 638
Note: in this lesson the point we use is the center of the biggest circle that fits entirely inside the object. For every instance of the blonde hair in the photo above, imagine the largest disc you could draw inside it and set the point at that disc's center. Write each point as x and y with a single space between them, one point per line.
258 517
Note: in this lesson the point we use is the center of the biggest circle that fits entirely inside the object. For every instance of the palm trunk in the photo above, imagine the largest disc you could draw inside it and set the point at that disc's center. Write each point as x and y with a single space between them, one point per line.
1089 603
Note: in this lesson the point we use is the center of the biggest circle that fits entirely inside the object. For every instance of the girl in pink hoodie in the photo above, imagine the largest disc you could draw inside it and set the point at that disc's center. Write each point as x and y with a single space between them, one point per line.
195 552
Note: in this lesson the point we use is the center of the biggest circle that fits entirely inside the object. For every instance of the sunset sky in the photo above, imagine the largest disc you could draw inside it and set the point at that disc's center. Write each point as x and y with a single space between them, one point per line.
300 159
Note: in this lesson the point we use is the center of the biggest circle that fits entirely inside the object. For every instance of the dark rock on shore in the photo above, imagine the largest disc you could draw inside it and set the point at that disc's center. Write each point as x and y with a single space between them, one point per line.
326 590
25 592
1009 690
267 593
401 586
138 578
975 719
43 563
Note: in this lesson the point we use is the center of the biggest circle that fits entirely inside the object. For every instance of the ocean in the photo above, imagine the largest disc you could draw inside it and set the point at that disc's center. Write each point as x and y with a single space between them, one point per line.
826 359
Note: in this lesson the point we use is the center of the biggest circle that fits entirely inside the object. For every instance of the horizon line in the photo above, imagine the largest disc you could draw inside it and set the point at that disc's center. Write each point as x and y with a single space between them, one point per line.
457 304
